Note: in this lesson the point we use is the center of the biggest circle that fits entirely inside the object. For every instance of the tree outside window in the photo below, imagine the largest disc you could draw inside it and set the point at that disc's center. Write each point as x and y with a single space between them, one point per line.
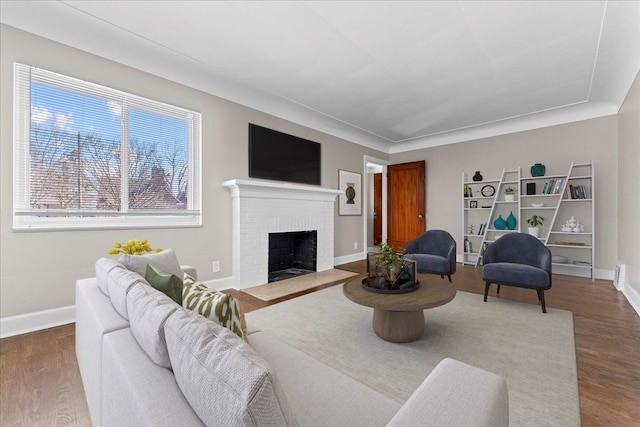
94 153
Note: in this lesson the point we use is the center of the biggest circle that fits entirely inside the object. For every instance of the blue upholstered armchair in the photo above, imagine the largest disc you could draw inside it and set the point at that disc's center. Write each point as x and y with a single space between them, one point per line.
434 251
518 259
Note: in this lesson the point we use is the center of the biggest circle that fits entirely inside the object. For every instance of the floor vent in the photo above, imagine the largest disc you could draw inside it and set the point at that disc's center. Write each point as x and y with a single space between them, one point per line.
618 277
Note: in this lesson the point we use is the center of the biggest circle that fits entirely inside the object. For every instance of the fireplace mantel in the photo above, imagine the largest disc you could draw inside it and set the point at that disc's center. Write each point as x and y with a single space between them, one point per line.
263 207
267 189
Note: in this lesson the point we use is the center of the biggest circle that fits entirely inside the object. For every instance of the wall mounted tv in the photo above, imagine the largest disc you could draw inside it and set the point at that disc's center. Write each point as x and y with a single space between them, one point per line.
281 157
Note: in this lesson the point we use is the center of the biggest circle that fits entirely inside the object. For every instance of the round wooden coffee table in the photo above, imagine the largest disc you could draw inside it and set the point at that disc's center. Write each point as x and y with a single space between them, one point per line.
400 317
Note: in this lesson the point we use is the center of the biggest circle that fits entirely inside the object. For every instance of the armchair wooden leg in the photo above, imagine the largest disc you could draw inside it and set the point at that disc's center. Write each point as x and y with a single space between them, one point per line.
541 298
486 290
498 290
449 276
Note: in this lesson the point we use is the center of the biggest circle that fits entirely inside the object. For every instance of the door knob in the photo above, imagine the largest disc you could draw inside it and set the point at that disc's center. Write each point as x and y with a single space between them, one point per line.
420 216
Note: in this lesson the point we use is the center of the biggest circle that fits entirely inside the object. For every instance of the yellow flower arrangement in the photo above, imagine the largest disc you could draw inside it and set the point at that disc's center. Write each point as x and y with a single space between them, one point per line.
132 247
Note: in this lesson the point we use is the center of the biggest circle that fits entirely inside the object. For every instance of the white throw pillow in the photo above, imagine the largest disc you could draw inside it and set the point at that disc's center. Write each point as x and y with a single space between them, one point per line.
148 310
165 261
224 380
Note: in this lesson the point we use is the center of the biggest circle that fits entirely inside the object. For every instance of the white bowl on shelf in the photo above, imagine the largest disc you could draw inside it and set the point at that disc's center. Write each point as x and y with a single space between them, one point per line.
537 205
559 259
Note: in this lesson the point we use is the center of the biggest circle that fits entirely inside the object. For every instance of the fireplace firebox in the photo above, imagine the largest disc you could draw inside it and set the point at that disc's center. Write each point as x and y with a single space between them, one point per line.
292 254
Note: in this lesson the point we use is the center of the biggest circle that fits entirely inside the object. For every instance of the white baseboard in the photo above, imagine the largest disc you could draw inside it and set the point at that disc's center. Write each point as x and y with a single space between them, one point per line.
632 296
349 258
23 323
603 274
220 284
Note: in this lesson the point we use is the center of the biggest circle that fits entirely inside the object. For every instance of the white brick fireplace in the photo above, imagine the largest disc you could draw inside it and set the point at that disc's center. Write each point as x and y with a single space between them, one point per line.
263 207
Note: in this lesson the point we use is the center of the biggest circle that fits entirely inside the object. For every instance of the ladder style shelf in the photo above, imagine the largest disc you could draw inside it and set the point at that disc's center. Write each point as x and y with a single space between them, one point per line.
557 198
489 200
574 198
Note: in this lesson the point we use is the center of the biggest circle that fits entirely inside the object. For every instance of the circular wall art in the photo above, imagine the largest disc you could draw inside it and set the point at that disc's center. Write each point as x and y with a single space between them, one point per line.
488 190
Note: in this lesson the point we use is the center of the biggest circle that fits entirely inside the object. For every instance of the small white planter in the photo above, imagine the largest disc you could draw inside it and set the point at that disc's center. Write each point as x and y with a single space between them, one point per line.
534 231
509 197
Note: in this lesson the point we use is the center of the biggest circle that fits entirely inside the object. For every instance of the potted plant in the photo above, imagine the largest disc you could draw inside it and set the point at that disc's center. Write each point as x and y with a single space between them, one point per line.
509 194
391 267
534 225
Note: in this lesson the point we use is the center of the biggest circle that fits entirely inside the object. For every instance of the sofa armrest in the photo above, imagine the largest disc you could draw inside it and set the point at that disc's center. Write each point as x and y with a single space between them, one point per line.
457 394
191 271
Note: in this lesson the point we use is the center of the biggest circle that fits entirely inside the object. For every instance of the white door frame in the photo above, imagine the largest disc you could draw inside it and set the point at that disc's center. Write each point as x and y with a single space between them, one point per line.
365 199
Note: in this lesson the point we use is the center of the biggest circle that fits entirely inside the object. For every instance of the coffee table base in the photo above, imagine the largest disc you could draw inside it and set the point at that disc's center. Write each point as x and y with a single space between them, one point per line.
398 326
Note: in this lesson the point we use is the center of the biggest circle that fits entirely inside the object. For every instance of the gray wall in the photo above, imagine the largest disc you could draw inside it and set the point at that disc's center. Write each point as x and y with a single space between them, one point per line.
628 193
556 147
38 270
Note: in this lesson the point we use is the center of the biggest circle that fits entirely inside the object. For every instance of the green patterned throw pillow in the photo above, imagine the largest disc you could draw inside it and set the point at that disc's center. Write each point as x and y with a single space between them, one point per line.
167 283
217 306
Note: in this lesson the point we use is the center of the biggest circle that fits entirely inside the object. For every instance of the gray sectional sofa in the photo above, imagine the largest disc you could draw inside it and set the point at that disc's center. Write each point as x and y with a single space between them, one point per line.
146 361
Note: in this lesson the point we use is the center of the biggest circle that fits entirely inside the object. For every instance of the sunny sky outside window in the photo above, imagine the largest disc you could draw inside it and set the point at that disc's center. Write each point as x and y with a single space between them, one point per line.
91 156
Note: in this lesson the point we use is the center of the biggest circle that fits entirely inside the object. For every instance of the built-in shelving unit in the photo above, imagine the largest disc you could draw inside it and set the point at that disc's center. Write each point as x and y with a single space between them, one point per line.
557 199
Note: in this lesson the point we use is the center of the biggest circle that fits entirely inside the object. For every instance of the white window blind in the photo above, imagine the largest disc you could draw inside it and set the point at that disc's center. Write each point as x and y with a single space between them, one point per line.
88 156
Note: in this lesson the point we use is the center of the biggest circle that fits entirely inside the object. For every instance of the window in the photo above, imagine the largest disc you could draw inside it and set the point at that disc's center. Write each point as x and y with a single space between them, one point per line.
87 156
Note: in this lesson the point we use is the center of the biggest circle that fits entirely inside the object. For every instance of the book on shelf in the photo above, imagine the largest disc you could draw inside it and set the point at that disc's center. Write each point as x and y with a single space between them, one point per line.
577 192
557 187
481 229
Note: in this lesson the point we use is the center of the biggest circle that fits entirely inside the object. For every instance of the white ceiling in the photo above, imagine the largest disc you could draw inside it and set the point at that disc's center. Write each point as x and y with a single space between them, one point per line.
394 76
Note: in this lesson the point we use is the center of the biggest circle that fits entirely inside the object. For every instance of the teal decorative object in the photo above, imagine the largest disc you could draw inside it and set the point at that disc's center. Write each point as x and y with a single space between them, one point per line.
500 223
511 221
538 169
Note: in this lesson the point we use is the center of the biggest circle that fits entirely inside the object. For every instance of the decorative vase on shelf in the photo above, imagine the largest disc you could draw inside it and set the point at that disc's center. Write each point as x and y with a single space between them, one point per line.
511 221
500 223
538 169
477 176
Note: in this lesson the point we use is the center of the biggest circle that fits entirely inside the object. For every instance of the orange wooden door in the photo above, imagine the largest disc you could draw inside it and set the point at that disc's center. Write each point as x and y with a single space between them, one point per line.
377 209
406 203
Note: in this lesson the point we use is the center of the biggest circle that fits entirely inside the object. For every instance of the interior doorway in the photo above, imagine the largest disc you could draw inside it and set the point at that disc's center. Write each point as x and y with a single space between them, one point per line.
375 194
406 205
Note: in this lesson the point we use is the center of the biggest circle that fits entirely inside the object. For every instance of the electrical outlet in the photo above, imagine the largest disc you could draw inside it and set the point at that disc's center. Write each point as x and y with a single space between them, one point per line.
215 266
355 245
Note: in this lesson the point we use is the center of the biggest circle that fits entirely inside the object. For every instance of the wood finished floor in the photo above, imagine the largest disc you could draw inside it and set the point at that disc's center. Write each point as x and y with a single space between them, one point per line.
40 383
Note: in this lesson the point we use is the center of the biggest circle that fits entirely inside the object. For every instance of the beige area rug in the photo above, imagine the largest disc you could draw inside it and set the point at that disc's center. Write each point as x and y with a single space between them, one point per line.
294 285
533 351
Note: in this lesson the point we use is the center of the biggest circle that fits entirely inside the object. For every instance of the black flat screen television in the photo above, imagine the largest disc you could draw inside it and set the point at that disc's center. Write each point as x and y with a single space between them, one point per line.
282 157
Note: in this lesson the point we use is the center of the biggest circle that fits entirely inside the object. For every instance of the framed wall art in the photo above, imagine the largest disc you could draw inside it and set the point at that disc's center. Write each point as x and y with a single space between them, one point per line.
350 202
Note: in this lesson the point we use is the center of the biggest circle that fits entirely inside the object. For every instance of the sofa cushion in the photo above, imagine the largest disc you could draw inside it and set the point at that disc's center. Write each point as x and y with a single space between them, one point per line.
136 392
320 395
165 261
222 377
103 266
119 282
167 283
148 311
217 306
